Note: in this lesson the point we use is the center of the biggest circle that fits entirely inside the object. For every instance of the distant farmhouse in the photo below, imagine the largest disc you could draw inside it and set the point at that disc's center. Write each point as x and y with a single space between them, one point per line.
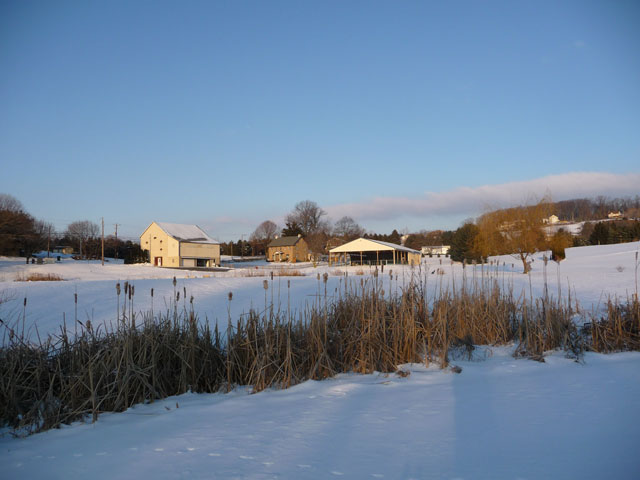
290 249
436 250
179 245
366 251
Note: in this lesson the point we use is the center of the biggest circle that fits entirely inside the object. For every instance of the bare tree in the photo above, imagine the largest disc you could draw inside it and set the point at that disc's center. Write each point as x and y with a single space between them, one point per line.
262 235
82 231
308 215
347 228
9 203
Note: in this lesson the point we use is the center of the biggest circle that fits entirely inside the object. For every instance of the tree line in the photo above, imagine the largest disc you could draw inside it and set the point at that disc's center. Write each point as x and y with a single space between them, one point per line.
519 231
23 235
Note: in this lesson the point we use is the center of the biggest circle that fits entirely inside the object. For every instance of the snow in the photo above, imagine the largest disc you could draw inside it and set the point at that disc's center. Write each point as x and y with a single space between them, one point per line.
592 273
186 233
500 418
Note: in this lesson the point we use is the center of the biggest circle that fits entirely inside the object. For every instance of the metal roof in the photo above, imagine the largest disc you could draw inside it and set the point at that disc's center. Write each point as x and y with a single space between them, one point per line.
186 233
370 245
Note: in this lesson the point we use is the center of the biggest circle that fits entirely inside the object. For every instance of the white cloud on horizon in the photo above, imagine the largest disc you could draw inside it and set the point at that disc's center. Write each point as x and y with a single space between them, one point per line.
473 201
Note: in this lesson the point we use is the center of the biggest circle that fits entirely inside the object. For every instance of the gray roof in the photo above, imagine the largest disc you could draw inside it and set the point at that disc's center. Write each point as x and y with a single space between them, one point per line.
284 241
186 233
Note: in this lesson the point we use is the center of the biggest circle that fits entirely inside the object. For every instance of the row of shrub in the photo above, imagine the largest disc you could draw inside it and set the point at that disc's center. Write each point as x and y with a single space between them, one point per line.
359 327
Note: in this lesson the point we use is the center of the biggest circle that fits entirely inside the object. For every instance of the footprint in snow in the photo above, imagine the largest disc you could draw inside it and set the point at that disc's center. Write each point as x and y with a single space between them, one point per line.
246 457
334 472
214 454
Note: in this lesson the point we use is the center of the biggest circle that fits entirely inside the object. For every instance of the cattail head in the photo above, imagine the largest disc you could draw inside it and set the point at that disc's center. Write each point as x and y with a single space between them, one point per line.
178 296
75 299
174 281
272 275
118 288
230 296
25 301
265 284
191 300
152 293
325 277
288 283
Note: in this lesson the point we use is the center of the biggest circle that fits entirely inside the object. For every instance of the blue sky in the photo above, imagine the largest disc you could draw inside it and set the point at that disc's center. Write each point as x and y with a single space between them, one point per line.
226 114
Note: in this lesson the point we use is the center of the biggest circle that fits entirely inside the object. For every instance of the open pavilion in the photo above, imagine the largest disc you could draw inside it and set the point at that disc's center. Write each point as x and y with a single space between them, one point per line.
365 251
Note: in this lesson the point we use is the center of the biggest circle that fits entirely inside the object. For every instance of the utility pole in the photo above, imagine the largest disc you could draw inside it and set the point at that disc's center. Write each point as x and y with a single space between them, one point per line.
103 241
116 225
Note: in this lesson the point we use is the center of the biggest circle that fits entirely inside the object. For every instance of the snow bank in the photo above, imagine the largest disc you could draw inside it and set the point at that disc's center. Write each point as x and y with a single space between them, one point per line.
498 419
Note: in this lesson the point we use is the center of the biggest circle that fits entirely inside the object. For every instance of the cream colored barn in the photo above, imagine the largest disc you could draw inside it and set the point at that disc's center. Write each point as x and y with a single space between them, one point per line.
365 251
178 245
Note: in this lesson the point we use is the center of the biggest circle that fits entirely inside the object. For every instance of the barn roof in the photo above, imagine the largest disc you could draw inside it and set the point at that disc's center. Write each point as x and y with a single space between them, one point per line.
186 233
284 241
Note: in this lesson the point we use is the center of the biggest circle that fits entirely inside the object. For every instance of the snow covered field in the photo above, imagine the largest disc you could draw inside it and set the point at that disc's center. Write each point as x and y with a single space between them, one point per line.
500 418
592 274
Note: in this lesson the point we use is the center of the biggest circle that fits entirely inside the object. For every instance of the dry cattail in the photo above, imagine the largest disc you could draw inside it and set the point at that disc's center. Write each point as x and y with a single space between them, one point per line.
174 281
265 284
118 288
230 296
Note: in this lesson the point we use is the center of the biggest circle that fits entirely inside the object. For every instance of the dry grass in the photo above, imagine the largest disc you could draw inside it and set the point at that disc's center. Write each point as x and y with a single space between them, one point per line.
363 328
279 272
618 330
39 277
